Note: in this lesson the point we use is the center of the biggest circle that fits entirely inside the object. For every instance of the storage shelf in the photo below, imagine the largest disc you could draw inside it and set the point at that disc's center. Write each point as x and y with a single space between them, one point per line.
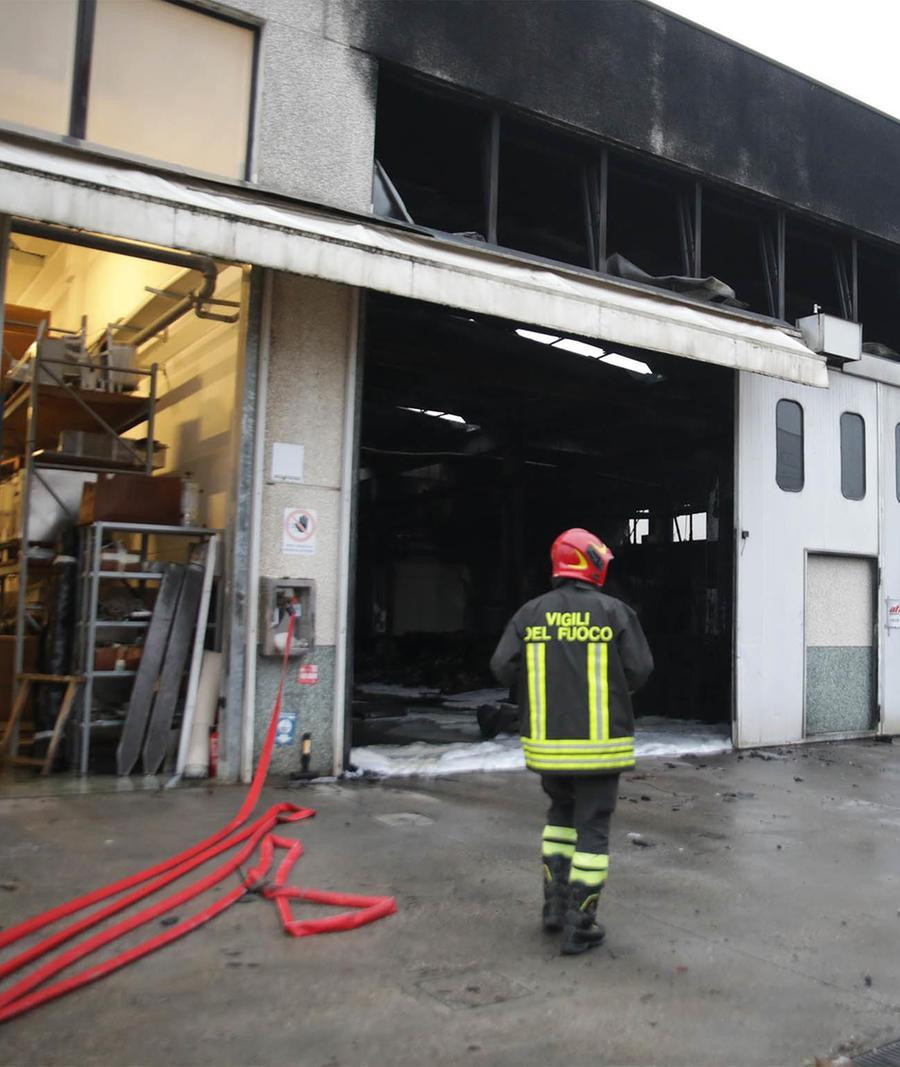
46 460
141 576
126 624
111 674
61 411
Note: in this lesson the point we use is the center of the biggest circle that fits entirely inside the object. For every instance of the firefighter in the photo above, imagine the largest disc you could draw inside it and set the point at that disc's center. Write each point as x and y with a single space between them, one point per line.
583 654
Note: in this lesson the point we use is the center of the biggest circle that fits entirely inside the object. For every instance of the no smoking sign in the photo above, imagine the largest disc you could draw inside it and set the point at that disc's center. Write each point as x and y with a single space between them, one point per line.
298 532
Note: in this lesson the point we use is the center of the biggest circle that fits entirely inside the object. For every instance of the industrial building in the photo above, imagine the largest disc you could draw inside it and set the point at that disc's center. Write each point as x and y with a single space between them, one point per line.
413 286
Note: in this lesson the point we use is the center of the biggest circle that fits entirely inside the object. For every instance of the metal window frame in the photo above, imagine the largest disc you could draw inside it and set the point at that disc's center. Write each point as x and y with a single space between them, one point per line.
79 101
802 486
865 486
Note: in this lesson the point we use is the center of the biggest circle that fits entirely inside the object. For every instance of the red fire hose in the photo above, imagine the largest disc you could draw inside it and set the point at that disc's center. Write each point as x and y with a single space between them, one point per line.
39 986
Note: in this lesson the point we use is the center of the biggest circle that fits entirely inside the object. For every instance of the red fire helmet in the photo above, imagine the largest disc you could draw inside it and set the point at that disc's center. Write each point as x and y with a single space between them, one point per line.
580 554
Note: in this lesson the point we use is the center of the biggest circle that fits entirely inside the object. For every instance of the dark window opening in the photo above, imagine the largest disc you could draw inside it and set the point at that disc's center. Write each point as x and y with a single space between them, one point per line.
816 272
879 299
433 150
645 220
739 248
853 456
543 198
789 466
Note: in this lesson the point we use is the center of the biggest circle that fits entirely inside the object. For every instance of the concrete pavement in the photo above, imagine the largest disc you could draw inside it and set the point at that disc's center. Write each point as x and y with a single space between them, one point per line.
760 926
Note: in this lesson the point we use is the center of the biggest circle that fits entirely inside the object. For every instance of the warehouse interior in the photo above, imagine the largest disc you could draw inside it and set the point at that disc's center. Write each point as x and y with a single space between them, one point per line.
480 441
109 319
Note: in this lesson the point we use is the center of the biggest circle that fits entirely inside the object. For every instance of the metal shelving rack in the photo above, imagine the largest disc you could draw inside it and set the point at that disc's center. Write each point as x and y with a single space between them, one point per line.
90 576
65 406
32 417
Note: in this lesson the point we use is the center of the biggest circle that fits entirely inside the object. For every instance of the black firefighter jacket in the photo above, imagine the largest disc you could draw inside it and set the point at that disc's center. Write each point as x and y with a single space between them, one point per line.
584 653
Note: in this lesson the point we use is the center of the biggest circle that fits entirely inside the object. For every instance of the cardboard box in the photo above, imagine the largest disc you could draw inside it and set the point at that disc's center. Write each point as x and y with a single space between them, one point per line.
132 498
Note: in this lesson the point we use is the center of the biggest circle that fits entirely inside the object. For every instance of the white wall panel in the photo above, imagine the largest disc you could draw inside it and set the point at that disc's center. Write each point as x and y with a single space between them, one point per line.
780 529
889 398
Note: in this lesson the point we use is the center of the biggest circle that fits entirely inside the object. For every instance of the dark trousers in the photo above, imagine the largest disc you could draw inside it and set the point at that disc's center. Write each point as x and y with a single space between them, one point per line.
585 802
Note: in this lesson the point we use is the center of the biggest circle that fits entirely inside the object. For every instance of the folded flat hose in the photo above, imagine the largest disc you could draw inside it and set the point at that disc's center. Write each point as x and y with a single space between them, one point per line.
39 986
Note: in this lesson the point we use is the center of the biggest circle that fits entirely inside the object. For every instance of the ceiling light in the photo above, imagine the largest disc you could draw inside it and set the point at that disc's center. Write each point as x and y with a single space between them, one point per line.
580 348
626 363
445 415
541 338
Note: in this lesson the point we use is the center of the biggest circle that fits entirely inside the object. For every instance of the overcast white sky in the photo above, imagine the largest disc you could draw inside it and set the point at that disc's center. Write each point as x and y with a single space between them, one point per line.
851 45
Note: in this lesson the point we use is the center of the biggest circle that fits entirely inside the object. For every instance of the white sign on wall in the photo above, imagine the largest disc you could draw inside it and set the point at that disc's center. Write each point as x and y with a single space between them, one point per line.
298 532
287 463
893 613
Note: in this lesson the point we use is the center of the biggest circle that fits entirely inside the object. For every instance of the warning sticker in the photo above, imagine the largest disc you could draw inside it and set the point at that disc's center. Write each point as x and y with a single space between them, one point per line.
298 532
286 728
308 674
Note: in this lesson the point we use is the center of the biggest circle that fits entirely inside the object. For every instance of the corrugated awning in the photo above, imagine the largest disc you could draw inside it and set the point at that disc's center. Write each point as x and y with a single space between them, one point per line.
112 198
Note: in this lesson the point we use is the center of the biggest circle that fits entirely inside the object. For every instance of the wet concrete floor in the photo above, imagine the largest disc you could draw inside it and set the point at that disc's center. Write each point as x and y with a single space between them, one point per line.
760 927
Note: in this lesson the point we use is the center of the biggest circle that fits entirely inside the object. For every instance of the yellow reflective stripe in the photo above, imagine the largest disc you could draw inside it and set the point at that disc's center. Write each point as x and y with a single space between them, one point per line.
559 833
568 761
532 687
592 689
591 861
578 742
604 690
554 848
542 746
542 689
589 868
535 764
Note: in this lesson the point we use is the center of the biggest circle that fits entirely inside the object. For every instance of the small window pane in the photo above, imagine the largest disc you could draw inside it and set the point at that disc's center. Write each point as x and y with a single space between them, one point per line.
897 457
853 456
37 56
789 472
172 84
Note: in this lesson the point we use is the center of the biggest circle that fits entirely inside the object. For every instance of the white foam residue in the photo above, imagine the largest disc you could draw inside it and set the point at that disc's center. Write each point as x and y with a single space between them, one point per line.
653 737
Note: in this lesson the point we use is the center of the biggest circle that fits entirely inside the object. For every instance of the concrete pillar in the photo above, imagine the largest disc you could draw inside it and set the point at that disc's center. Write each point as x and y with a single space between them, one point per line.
312 330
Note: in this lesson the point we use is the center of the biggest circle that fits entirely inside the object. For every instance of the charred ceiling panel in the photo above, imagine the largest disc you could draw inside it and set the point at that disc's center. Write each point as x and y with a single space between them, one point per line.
627 71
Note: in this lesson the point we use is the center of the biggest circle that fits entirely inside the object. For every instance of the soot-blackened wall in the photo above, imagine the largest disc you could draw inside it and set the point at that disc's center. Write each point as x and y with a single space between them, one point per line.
628 71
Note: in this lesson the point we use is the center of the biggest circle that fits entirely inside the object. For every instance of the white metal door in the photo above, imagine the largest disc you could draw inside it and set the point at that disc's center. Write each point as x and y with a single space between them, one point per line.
841 656
775 531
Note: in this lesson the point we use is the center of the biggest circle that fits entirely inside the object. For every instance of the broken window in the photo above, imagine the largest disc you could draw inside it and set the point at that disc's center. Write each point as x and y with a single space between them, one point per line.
648 219
789 467
879 297
433 150
853 456
739 246
816 271
543 197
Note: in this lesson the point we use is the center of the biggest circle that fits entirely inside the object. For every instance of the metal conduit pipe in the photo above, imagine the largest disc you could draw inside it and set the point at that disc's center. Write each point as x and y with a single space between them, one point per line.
203 264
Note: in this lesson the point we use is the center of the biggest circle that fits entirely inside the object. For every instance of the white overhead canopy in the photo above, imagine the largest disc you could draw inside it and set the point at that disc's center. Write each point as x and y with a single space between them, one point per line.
113 198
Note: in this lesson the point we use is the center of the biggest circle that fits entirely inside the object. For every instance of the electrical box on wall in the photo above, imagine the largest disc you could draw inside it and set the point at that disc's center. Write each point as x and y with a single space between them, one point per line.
280 598
838 339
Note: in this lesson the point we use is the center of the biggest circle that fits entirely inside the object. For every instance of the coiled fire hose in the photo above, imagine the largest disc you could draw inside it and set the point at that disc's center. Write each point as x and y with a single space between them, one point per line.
243 837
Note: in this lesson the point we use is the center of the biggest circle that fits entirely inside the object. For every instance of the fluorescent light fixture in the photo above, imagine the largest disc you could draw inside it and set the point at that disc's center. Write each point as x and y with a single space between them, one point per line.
445 415
626 363
541 338
580 348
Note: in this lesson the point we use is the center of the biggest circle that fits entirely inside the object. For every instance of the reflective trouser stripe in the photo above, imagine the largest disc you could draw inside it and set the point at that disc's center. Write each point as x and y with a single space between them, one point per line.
598 690
589 868
558 841
537 688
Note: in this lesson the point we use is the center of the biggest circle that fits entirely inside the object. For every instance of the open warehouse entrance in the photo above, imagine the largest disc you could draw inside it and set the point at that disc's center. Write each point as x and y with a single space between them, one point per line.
479 443
120 381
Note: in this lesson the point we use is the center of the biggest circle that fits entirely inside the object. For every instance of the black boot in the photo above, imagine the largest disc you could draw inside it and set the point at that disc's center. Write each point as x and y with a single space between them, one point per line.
556 892
581 931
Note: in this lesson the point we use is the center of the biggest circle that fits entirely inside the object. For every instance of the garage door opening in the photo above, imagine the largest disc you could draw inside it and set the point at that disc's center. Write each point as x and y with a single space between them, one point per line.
121 400
480 441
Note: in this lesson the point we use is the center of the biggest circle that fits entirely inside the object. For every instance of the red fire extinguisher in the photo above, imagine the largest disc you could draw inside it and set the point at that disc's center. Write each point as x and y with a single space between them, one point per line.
213 752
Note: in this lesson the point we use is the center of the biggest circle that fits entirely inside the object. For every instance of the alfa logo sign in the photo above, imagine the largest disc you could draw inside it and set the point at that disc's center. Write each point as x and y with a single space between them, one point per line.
893 613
